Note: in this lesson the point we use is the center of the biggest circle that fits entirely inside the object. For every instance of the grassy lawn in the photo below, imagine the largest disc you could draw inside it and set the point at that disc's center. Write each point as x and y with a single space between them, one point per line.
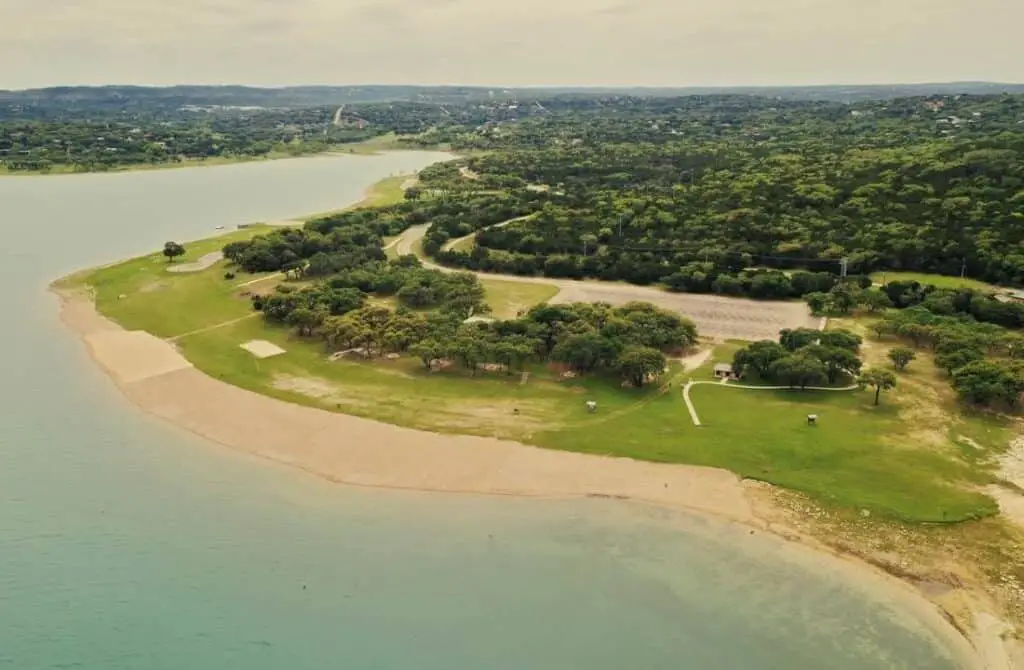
917 457
387 191
940 281
859 456
508 298
401 391
141 294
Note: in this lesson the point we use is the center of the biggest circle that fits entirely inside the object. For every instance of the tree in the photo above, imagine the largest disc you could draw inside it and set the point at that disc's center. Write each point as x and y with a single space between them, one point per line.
172 250
344 332
874 300
585 352
818 301
428 351
837 361
305 320
793 339
843 299
954 359
880 380
901 357
841 339
758 357
636 364
799 369
984 382
916 332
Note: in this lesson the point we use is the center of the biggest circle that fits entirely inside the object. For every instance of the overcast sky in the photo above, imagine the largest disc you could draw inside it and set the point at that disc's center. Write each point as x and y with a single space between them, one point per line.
511 42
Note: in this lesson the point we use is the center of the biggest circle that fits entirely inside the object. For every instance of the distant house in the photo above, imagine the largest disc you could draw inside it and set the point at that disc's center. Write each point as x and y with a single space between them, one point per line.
725 371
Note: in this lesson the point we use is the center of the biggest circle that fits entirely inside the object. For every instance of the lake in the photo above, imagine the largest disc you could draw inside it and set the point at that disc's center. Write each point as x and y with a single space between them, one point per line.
126 543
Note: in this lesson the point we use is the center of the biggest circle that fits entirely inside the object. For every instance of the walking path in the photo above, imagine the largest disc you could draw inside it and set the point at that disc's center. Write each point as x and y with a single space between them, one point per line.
213 327
693 410
259 279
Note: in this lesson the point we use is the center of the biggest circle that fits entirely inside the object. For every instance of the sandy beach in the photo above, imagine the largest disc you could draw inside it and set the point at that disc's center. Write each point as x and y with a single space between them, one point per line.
356 451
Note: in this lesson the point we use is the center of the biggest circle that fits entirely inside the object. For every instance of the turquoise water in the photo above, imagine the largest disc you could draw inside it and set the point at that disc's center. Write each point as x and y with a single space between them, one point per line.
126 544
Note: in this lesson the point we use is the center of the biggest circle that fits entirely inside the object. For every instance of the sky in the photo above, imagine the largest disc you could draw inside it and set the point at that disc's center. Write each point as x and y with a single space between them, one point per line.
509 43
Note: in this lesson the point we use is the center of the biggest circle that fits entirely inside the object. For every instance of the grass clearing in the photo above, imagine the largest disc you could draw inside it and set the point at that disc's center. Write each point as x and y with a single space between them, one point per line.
858 456
939 281
400 391
141 294
387 191
508 298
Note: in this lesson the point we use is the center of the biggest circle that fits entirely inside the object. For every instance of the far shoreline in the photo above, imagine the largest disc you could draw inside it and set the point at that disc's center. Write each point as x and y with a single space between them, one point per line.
364 148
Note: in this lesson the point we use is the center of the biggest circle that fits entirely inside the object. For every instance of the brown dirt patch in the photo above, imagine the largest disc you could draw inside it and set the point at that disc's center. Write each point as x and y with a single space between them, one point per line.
319 389
497 417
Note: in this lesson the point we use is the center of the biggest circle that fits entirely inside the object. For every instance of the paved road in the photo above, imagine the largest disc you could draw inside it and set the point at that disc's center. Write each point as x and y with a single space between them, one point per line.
715 316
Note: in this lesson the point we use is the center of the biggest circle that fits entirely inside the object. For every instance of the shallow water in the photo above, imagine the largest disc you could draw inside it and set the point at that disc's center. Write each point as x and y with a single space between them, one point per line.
127 544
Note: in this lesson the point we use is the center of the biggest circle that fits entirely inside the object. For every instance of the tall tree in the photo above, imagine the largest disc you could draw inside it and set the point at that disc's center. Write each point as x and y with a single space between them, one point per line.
880 380
172 250
799 369
636 364
901 357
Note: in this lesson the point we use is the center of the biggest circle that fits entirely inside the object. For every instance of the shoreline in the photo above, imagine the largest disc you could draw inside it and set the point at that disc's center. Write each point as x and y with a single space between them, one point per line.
151 167
152 375
355 149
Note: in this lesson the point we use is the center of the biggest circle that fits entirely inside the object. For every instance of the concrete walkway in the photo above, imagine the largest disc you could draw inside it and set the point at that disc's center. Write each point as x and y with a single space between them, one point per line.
693 410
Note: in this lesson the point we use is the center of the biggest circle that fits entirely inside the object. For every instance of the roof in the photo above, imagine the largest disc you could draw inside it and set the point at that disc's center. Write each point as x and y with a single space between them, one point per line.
723 367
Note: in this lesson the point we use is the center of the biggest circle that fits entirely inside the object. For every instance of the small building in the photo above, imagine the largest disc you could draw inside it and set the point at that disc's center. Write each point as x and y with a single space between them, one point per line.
725 371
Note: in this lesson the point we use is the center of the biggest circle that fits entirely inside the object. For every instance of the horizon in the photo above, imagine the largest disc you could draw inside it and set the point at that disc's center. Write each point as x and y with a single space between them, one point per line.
591 43
652 87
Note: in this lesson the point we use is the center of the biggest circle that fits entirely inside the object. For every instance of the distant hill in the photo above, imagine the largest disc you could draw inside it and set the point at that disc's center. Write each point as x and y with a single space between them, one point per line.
143 98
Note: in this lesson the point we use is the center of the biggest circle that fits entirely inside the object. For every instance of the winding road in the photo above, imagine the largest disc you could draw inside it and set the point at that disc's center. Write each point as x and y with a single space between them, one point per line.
715 316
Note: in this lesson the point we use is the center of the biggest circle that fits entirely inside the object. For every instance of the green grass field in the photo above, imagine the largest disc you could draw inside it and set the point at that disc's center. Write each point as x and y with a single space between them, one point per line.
387 191
508 298
940 281
858 456
917 457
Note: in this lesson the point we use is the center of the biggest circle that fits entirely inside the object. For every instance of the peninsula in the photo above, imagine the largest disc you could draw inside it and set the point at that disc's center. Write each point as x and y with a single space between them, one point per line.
596 298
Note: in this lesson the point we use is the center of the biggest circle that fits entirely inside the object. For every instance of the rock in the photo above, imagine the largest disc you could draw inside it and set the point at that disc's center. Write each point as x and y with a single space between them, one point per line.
865 513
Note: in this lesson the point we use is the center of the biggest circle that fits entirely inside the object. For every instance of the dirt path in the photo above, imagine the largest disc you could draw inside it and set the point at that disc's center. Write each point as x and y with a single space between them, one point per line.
715 316
203 262
451 244
213 327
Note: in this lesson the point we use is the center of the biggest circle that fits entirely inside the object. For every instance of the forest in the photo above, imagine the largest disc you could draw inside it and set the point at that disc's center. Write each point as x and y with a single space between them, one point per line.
704 189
